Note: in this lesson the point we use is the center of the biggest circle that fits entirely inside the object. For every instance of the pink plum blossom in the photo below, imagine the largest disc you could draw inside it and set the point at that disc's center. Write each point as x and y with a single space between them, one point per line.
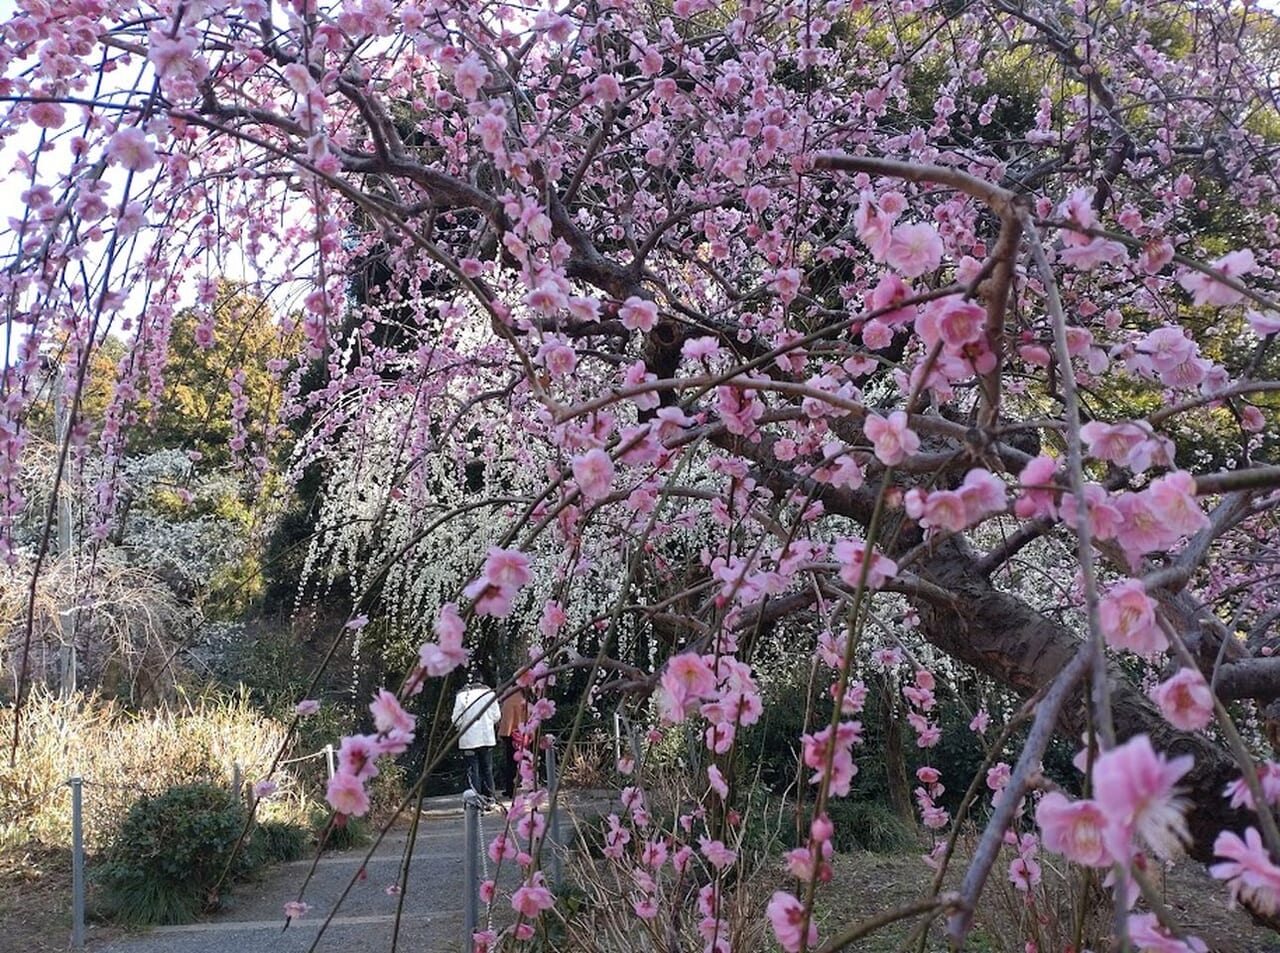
952 321
982 493
1095 252
471 76
717 854
1264 323
1247 867
358 756
1185 700
687 679
785 283
443 656
129 147
1172 498
388 716
47 115
1039 495
583 308
505 572
817 748
1024 873
560 360
1074 829
1103 518
593 472
942 509
506 567
914 249
1127 616
1268 776
1148 936
873 226
346 795
1112 442
1133 784
638 314
739 409
852 553
787 917
532 898
1208 291
892 437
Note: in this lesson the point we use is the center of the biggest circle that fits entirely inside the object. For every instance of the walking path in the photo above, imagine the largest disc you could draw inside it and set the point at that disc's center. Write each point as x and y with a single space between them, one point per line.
252 920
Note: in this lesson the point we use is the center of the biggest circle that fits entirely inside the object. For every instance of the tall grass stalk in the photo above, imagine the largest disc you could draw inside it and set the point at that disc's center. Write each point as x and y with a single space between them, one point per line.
123 755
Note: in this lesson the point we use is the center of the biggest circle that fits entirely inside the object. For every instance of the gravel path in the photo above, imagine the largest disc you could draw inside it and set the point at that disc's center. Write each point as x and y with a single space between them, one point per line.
252 920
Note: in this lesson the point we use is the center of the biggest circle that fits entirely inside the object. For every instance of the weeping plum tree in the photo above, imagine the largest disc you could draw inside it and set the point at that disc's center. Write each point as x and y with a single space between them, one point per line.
757 316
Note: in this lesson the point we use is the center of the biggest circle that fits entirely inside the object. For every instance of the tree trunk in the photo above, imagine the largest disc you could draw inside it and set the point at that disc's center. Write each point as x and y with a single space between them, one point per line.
895 764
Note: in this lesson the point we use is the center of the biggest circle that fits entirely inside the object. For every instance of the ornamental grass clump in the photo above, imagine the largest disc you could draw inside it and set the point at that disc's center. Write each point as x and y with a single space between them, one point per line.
123 756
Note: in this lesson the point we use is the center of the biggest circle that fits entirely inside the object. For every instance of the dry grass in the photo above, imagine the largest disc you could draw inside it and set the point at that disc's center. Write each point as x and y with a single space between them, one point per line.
123 756
868 884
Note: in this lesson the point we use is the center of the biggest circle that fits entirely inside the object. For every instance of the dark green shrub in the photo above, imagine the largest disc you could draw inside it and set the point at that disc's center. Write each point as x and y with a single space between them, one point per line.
352 832
867 825
768 821
274 842
165 860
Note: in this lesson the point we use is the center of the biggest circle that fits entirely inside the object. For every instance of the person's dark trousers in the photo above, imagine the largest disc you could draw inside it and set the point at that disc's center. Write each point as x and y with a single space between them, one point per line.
510 772
480 770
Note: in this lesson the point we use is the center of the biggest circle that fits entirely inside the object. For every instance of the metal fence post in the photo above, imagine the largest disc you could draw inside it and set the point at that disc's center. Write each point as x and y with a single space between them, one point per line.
77 864
617 738
471 807
328 760
553 822
637 749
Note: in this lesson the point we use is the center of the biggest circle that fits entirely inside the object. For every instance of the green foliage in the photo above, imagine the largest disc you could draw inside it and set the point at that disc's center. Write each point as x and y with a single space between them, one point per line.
766 821
351 833
272 664
274 842
195 410
387 789
869 826
769 747
166 858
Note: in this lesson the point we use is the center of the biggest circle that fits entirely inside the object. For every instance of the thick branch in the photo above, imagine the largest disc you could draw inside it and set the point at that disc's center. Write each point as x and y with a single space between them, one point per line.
1008 640
1002 201
1252 678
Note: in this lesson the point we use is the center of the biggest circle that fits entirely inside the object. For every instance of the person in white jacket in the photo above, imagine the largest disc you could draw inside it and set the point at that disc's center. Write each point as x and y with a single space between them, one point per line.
475 714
